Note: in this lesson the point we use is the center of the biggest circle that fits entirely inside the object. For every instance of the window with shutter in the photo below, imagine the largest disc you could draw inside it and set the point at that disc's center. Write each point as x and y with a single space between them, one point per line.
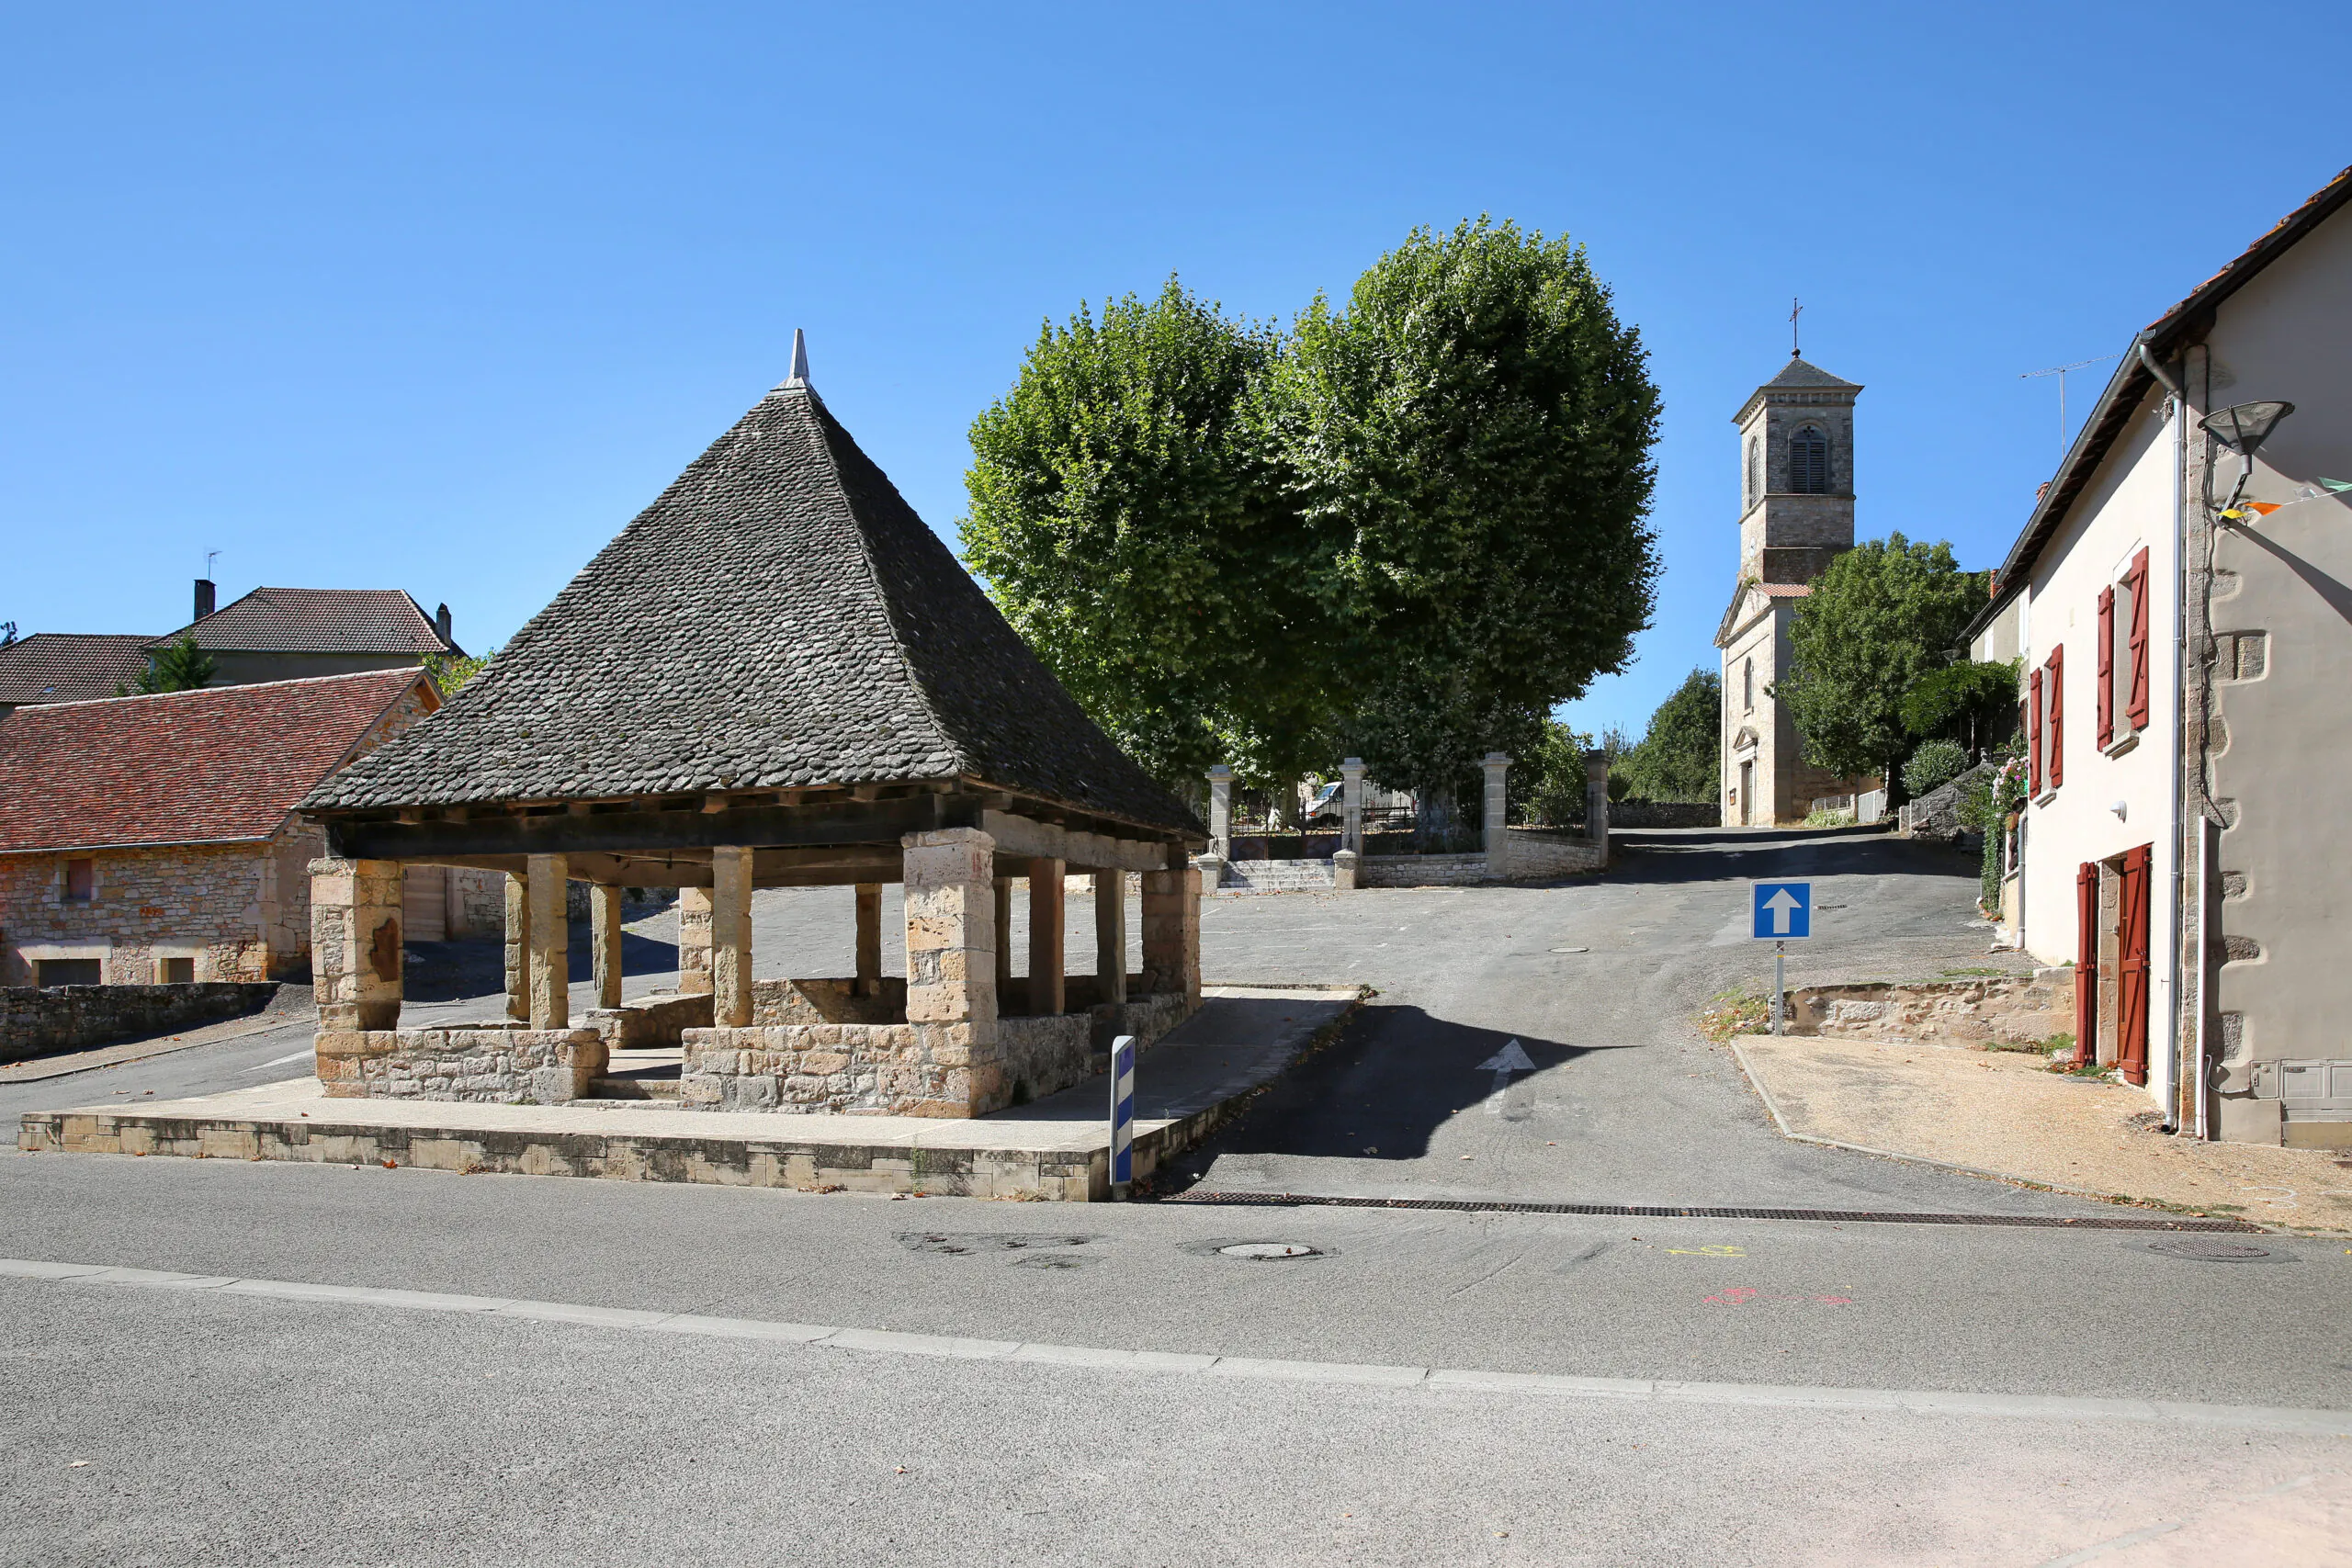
1809 462
2033 734
2136 708
2054 761
2106 668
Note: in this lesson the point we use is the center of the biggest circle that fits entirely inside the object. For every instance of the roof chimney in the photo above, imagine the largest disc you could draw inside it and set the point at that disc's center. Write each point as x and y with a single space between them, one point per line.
441 622
203 597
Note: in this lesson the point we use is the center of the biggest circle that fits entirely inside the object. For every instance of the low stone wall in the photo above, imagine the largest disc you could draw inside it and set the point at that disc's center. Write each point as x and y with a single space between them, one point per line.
643 1023
40 1021
775 1003
1529 853
912 1070
888 1069
1665 814
1956 1013
491 1066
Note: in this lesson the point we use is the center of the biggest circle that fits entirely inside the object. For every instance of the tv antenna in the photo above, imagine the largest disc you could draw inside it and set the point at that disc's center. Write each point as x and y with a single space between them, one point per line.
210 556
2060 371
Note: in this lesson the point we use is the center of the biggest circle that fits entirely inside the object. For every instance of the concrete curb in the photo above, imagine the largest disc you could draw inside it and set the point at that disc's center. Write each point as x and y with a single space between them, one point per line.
1410 1380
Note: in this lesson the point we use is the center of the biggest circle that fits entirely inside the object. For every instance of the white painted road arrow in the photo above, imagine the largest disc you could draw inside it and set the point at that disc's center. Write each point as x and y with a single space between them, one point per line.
1512 1058
1783 903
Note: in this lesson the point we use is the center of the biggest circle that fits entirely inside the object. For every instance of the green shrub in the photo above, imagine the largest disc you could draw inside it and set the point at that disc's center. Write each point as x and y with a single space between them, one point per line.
1935 764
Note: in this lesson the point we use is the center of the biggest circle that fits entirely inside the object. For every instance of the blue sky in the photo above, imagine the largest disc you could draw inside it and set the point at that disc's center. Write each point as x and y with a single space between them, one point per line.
438 299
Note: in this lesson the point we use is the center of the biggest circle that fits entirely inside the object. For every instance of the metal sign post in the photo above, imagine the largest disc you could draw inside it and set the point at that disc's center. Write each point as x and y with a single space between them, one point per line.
1783 914
1122 1116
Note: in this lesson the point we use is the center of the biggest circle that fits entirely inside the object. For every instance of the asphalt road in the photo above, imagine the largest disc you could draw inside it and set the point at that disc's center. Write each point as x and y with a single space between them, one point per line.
214 1426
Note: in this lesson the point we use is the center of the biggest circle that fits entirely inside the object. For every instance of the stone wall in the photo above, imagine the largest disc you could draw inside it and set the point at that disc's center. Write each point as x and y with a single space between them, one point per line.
643 1023
1665 814
497 1067
894 1070
1528 854
222 906
777 1002
2010 1010
1044 1055
39 1021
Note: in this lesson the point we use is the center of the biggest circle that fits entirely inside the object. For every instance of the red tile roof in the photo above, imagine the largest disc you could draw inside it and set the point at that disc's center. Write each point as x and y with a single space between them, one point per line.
224 764
317 620
70 667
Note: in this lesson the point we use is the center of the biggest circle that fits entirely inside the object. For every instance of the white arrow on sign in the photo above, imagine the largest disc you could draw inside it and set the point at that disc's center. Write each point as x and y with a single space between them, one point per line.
1783 903
1512 1058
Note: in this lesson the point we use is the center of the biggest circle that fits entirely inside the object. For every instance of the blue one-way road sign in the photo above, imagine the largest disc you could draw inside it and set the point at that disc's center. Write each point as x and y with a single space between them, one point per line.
1783 910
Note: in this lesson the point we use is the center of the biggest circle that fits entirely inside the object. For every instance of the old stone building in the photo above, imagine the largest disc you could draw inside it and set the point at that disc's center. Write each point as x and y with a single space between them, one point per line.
776 676
1796 455
271 634
151 840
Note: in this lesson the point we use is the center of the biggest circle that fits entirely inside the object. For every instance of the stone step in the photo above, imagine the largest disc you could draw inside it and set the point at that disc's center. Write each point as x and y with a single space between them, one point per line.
633 1088
1279 876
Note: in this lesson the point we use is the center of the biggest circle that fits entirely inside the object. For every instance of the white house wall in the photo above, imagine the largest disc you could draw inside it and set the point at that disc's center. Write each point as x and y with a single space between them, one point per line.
2127 506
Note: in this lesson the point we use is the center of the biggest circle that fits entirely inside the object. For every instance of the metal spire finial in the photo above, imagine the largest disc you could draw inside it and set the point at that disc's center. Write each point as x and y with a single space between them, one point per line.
1796 308
799 376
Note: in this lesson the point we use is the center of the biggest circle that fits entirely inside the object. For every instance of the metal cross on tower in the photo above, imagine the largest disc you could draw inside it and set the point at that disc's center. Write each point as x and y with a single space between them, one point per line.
1795 310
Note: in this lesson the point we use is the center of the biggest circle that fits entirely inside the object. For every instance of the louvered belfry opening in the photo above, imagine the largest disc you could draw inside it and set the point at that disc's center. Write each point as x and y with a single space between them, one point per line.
1809 462
776 676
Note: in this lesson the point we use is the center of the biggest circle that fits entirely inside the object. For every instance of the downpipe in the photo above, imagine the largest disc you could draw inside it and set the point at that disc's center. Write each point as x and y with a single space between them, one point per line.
2191 1074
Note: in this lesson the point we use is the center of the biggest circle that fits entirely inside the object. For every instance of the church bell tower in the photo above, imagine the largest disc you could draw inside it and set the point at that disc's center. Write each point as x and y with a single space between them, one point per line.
1796 457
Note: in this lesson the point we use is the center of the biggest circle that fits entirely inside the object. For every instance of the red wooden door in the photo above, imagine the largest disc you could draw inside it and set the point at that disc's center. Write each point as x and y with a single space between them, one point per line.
2086 963
2132 974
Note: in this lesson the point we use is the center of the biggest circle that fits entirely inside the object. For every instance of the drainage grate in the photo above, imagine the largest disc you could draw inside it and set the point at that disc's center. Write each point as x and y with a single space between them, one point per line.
1644 1210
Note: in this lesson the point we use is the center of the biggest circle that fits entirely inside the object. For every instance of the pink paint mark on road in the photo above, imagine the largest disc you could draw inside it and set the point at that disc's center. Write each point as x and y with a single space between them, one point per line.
1740 1295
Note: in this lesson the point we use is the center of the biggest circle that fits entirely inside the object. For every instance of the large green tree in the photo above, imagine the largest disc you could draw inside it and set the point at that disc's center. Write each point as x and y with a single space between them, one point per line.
1127 517
1680 757
1883 614
1469 443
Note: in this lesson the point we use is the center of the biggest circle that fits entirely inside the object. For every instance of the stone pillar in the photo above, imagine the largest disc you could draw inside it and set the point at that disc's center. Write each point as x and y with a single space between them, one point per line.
518 948
1352 804
1221 812
731 936
693 940
1596 797
605 922
1498 836
951 929
1346 867
1110 936
869 939
355 943
1172 933
1003 930
1046 967
551 944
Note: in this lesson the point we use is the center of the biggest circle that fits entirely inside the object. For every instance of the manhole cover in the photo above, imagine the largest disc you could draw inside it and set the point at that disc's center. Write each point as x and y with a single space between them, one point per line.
2213 1250
1266 1251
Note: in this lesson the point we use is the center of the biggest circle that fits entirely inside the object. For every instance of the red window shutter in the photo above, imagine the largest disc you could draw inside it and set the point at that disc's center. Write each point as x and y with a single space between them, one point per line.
2086 962
2106 668
2056 761
2132 974
2136 709
2033 733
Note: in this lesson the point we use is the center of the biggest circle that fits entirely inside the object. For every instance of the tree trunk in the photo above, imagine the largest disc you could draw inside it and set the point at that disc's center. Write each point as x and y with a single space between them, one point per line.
1433 817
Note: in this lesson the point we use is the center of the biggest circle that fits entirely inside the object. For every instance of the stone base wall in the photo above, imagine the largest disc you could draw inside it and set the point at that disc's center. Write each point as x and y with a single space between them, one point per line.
911 1069
40 1021
1528 854
775 1003
1665 814
644 1023
495 1066
1958 1012
879 1069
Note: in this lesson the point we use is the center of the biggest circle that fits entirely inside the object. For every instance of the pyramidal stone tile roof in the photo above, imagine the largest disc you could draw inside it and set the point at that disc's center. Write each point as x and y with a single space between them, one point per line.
70 667
223 765
778 617
316 620
1797 373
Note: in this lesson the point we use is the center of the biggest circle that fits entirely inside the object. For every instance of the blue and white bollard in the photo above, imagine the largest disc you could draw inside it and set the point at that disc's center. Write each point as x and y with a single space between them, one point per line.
1123 1115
